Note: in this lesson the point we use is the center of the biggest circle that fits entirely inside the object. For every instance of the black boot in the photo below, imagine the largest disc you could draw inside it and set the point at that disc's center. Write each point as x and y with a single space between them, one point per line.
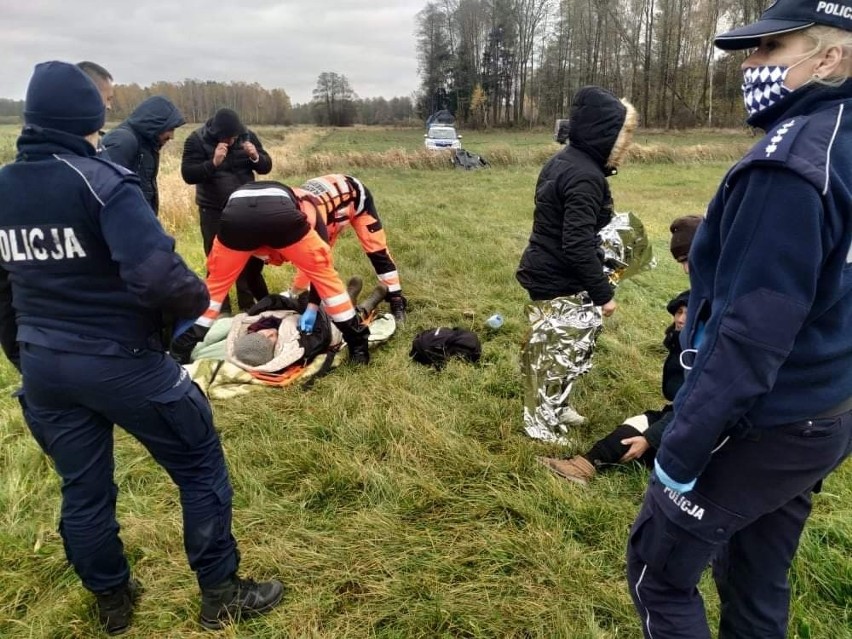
237 599
115 607
359 353
398 304
356 334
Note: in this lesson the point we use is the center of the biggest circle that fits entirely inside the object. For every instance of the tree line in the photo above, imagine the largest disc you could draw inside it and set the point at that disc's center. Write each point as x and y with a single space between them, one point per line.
513 62
334 103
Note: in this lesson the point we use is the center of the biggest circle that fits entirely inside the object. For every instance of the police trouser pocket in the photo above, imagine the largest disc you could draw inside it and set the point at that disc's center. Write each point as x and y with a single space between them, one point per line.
186 412
678 538
671 553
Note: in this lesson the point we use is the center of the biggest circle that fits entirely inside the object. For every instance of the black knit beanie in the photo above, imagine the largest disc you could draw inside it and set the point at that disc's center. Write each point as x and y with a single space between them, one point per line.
226 124
60 96
683 232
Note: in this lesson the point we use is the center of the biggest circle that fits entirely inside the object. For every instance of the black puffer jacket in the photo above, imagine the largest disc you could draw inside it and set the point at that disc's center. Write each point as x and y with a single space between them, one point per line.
573 203
214 185
135 144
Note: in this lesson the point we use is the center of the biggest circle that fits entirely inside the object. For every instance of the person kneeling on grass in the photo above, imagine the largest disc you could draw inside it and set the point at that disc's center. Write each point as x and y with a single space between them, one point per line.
638 437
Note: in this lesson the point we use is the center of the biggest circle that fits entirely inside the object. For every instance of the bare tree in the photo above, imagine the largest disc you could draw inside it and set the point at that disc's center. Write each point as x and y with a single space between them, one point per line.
334 100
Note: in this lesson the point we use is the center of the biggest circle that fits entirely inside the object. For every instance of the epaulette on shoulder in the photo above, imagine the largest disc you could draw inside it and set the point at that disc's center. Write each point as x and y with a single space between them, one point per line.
801 144
777 144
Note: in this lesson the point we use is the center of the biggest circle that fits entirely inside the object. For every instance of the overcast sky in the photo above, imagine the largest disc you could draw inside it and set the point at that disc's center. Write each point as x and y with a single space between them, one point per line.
279 44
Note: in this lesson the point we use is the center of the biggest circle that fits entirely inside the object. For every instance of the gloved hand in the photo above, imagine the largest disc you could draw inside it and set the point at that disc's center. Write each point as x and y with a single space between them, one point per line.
308 319
181 346
273 303
667 481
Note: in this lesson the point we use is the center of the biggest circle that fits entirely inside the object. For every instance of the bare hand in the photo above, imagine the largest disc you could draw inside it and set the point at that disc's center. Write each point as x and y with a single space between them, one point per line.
638 447
219 153
609 308
251 150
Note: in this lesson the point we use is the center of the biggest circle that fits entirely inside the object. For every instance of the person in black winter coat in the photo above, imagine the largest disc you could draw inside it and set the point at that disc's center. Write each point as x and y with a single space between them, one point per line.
135 143
218 158
562 267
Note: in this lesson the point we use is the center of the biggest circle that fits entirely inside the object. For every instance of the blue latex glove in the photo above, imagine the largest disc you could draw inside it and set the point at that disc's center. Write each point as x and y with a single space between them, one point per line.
308 319
671 483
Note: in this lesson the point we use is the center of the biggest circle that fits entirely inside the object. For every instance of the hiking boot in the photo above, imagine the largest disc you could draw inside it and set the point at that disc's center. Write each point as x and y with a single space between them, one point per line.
398 304
353 287
237 599
115 607
569 417
577 469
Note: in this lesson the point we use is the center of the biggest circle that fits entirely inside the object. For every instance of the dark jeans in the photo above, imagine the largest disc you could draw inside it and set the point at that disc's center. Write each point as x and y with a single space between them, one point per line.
746 514
70 403
251 286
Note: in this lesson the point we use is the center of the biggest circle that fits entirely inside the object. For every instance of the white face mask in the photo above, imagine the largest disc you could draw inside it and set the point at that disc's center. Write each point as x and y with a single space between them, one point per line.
764 86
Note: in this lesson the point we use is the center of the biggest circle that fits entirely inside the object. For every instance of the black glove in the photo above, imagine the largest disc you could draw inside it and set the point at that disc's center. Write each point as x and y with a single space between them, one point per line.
274 303
181 347
356 334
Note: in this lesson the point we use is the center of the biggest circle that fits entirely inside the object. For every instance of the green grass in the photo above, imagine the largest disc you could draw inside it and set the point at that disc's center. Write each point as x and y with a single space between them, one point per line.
396 501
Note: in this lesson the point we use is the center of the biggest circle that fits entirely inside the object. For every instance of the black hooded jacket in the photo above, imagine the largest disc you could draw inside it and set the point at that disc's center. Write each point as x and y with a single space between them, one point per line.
135 144
214 184
573 203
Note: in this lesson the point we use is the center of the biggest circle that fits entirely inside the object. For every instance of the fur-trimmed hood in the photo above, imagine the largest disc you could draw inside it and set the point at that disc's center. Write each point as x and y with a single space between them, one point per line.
601 126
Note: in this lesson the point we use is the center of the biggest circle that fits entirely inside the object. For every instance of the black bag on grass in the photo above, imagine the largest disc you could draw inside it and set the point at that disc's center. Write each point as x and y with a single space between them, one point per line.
435 346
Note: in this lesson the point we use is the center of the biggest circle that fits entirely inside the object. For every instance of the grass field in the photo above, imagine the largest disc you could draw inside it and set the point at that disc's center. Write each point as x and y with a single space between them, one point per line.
399 502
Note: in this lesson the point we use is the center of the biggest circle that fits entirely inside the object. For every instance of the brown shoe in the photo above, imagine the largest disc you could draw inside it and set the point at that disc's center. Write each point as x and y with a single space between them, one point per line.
577 469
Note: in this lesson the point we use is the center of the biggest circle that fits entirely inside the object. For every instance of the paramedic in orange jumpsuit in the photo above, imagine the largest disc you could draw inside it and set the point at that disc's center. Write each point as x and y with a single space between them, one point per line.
341 201
262 220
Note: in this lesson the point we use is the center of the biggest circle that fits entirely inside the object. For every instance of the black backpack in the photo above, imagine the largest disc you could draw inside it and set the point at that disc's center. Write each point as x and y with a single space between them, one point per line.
435 346
463 159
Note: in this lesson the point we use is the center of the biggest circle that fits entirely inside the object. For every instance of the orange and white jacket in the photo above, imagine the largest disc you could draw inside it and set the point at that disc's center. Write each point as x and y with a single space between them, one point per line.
263 220
341 201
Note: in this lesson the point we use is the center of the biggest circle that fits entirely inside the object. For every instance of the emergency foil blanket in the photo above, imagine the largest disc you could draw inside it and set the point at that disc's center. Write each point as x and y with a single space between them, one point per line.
559 349
626 248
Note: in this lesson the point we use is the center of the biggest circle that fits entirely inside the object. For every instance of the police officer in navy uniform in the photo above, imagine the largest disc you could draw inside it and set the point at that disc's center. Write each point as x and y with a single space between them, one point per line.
765 413
86 273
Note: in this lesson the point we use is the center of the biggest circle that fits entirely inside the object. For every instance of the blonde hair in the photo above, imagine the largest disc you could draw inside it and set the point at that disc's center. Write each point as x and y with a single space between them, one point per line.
625 136
824 37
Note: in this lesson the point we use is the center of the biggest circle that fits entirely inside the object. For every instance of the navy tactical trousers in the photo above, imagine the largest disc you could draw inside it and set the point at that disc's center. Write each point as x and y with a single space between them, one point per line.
71 402
746 514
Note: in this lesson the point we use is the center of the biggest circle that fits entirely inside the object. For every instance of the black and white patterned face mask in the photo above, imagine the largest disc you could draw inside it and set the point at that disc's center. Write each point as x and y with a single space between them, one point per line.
764 86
